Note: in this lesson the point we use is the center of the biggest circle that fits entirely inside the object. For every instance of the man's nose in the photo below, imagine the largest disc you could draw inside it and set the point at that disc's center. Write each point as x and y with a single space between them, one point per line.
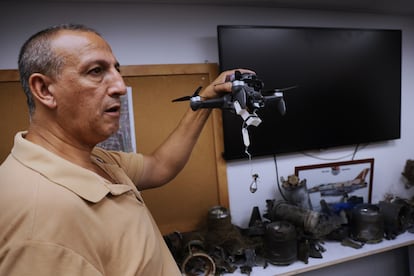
117 84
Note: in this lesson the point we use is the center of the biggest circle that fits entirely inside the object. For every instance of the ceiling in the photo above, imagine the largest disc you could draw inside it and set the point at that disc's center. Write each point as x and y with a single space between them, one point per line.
392 7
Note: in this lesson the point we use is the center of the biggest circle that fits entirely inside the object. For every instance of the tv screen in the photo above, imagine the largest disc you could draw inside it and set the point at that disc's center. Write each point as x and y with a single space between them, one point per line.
348 86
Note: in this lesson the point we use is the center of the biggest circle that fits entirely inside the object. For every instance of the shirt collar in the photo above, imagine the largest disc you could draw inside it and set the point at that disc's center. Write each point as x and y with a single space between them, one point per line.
85 183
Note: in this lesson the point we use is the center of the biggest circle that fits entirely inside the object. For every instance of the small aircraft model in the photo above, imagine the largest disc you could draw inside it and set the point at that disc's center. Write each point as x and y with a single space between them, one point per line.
342 188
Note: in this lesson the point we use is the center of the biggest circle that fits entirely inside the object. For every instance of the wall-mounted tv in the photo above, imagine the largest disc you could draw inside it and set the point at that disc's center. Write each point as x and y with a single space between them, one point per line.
348 86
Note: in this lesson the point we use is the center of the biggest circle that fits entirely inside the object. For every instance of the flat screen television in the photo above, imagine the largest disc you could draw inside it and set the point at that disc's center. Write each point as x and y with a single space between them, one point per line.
348 86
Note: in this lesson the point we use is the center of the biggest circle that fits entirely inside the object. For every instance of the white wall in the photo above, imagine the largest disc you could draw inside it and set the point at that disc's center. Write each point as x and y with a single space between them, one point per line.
145 34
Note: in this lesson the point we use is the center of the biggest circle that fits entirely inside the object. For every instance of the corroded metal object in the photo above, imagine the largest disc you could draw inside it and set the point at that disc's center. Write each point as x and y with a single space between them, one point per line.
396 217
197 261
296 191
316 223
408 172
222 233
298 216
280 243
367 223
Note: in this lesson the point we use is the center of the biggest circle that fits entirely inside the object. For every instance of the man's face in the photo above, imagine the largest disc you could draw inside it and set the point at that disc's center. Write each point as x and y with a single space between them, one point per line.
88 89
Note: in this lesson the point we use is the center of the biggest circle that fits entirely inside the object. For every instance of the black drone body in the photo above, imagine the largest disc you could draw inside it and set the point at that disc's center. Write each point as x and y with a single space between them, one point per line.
247 95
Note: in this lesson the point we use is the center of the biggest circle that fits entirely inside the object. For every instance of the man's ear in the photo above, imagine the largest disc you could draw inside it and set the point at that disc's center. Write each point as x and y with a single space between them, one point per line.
42 90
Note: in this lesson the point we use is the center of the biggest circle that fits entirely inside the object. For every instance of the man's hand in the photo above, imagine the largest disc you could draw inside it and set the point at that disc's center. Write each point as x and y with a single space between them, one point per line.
221 84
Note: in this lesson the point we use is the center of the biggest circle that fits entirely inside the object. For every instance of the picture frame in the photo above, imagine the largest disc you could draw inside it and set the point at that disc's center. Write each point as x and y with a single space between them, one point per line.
124 139
334 181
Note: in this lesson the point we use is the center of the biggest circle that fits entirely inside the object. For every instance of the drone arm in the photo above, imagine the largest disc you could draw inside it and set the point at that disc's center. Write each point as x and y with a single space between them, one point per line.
277 96
197 102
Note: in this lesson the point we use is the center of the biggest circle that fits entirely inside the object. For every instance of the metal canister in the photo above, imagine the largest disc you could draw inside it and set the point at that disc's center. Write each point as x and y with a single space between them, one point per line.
218 218
280 243
396 215
367 223
222 233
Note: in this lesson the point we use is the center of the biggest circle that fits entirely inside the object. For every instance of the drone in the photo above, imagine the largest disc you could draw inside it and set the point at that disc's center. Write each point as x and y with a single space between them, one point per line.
246 98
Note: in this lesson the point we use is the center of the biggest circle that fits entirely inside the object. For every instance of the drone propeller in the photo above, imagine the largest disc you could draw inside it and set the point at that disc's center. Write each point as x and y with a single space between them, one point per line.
187 98
272 91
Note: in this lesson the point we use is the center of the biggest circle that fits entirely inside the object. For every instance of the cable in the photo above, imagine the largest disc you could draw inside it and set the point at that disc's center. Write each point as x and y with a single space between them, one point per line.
277 178
352 155
355 151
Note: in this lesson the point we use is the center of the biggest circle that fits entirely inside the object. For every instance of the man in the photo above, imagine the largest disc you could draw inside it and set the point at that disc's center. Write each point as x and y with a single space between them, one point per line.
67 207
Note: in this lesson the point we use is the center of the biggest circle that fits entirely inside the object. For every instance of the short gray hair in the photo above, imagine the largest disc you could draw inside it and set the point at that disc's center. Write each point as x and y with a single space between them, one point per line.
36 56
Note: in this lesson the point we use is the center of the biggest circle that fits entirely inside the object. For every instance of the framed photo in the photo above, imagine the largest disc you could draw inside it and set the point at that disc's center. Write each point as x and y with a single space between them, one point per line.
124 138
333 182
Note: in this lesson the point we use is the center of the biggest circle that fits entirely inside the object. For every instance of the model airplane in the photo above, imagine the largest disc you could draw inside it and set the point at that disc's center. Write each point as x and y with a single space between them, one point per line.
342 188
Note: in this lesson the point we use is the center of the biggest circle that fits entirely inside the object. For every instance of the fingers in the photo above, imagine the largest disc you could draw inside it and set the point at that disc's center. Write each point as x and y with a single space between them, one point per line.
222 87
229 75
223 81
222 84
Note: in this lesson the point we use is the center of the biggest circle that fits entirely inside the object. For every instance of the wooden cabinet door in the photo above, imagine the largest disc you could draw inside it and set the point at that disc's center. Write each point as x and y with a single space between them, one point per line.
181 205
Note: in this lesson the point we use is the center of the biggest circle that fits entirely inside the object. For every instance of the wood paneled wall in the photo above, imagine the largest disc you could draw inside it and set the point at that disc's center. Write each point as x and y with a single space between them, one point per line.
182 205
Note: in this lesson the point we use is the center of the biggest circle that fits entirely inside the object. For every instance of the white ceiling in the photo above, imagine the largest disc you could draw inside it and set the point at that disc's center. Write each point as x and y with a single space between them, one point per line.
393 7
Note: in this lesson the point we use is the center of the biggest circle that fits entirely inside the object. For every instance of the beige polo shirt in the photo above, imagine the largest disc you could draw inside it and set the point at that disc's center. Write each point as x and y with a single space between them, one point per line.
57 218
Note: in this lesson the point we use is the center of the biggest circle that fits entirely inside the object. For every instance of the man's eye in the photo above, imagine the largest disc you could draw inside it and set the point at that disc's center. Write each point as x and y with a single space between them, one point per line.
95 71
